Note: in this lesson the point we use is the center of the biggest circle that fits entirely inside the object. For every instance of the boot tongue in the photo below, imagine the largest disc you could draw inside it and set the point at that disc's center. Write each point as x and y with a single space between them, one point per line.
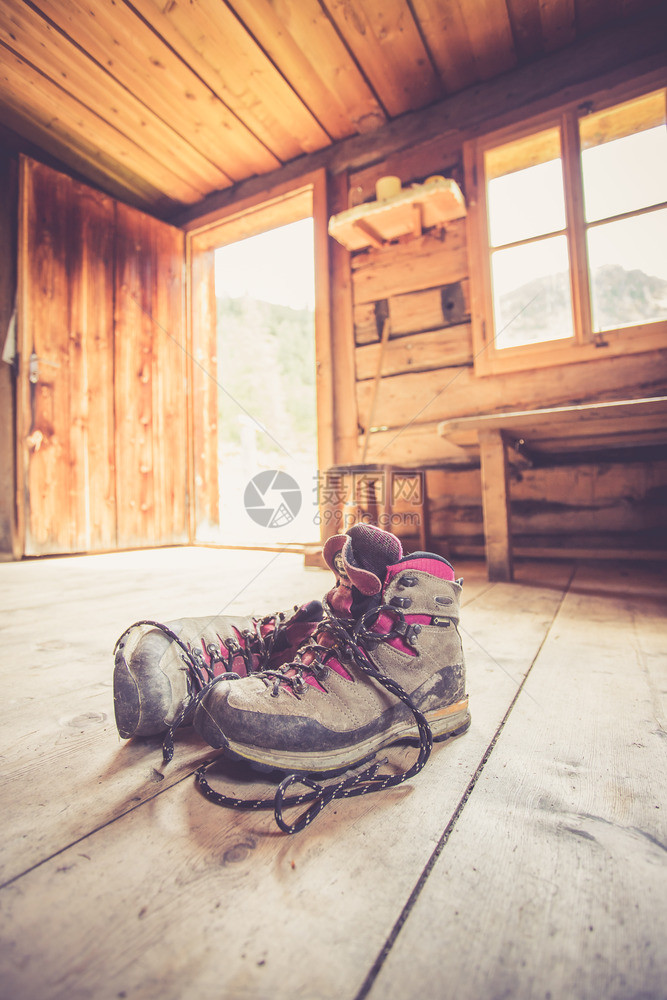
332 553
367 553
339 598
360 560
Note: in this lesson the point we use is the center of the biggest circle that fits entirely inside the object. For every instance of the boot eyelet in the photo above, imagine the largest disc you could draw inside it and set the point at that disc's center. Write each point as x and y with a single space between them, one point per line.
408 581
401 602
412 634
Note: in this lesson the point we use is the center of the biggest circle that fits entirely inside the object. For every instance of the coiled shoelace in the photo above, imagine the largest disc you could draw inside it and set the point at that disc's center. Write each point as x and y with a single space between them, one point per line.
200 669
347 640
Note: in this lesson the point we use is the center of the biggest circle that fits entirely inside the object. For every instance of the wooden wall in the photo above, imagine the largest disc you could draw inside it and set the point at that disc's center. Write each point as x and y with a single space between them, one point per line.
422 285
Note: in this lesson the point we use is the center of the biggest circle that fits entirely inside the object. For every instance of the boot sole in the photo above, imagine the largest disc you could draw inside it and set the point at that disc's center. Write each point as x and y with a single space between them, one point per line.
127 705
445 723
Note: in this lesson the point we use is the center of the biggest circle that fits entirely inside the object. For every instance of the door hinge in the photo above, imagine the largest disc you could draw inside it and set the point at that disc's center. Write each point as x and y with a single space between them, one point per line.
33 367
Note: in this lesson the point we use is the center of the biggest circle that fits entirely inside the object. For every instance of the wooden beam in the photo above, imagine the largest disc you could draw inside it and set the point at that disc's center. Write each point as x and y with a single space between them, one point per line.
496 504
21 134
436 349
300 38
152 71
263 208
203 375
265 103
611 57
446 34
430 396
41 44
438 156
367 230
626 418
384 39
436 258
415 312
324 343
342 336
279 210
8 264
47 115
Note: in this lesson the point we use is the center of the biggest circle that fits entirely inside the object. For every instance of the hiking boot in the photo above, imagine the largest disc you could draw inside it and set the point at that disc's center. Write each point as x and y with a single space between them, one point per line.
160 668
385 665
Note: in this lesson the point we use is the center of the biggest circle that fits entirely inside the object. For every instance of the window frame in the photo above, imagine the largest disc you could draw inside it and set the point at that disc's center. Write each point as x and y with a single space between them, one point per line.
585 345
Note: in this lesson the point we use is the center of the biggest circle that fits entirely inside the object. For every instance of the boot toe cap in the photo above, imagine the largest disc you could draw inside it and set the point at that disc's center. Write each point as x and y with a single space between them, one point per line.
149 684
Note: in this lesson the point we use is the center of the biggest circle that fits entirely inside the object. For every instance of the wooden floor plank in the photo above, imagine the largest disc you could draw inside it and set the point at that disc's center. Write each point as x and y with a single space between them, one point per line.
57 730
62 618
554 880
179 897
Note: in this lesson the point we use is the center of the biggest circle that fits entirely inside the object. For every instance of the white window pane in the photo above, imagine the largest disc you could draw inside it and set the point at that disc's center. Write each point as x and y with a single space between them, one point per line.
625 174
531 293
526 203
628 268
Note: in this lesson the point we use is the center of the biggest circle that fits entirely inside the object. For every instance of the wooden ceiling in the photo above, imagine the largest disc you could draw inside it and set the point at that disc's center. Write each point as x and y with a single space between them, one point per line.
162 102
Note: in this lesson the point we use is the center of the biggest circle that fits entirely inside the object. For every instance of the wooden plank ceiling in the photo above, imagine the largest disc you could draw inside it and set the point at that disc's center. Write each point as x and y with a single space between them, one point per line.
162 102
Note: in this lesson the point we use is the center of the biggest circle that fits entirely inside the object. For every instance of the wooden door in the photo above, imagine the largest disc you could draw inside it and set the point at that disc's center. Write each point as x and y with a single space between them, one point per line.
151 382
102 451
65 418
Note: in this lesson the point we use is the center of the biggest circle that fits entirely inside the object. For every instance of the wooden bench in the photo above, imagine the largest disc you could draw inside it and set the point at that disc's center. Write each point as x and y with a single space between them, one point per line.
588 427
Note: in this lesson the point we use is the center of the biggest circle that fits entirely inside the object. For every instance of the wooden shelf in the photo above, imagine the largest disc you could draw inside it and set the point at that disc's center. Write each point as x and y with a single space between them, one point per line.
410 212
624 423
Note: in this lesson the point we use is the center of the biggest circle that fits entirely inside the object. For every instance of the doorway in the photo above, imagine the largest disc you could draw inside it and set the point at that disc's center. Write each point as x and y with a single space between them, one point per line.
262 401
267 411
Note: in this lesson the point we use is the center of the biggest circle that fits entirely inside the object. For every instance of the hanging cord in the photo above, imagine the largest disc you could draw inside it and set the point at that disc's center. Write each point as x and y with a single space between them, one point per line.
354 639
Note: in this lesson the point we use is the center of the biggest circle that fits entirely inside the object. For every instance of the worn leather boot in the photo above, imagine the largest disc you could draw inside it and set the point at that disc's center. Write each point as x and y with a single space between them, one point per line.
386 657
159 669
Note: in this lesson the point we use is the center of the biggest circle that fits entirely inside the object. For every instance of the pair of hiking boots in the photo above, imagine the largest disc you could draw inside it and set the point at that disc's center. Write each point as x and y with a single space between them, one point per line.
316 692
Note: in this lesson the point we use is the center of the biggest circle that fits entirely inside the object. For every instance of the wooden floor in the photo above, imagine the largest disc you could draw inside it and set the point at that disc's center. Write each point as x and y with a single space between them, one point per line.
528 859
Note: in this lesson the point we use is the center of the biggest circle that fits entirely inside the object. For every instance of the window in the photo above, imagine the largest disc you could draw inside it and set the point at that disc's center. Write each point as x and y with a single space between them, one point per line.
568 230
624 171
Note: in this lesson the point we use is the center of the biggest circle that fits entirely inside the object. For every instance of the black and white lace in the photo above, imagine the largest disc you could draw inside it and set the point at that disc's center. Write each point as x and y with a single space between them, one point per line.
344 640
